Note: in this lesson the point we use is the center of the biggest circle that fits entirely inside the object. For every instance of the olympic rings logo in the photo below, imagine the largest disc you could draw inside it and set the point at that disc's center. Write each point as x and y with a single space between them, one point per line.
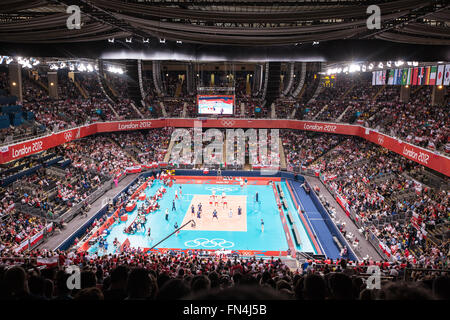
68 135
228 123
206 243
380 139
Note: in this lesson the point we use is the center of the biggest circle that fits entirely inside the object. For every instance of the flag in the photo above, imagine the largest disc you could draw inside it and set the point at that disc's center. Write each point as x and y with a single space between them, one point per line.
404 76
408 78
374 78
48 262
433 75
416 73
383 77
399 77
440 75
420 77
391 77
447 75
427 75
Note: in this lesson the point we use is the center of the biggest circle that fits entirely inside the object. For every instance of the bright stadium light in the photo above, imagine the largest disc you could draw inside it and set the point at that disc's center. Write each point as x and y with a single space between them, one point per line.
162 40
145 40
363 68
380 65
354 68
371 66
81 67
111 40
179 41
89 68
389 64
399 63
128 40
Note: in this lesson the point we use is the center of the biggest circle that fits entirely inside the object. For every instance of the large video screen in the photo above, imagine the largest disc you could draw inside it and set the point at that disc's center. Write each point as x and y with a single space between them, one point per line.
216 104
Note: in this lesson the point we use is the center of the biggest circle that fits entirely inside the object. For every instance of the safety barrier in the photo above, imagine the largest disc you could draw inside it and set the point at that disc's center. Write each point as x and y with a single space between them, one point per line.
432 159
33 241
330 224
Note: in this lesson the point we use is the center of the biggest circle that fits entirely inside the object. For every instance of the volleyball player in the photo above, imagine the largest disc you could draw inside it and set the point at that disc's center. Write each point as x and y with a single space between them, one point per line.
230 213
215 215
149 234
176 227
262 225
224 199
167 214
239 210
173 206
192 211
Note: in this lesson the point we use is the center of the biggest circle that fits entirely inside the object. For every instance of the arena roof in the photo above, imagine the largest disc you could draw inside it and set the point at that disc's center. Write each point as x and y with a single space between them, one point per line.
223 22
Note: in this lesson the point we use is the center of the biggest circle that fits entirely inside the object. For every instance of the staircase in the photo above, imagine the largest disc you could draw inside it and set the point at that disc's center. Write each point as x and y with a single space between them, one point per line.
224 152
113 110
378 93
137 110
81 89
183 114
292 115
347 92
283 163
104 85
39 83
169 151
124 150
301 84
178 89
113 91
273 83
163 109
248 89
242 109
134 81
342 114
321 110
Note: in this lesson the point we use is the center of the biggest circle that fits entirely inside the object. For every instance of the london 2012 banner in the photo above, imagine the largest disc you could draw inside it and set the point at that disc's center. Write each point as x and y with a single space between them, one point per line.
428 158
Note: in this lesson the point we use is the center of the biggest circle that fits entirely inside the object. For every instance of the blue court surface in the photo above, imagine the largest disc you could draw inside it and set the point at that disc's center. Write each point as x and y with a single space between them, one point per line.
253 239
